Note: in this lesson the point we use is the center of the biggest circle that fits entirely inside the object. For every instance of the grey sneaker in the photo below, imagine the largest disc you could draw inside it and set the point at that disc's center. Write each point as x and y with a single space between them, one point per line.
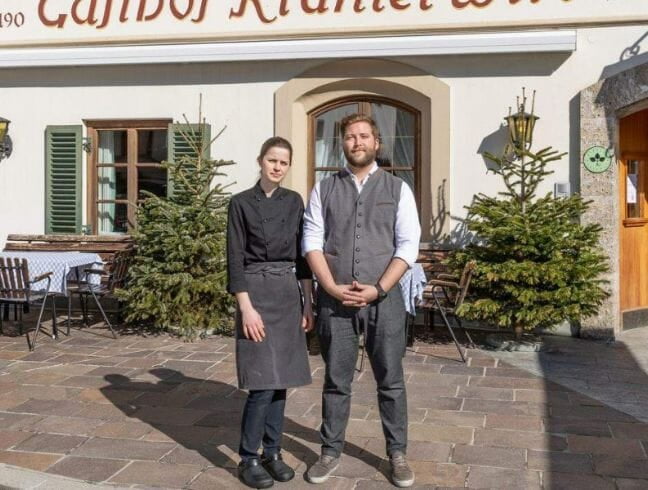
322 469
401 474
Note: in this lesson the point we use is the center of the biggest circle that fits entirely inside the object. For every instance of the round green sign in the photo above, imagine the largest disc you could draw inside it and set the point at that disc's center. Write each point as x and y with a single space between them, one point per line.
597 159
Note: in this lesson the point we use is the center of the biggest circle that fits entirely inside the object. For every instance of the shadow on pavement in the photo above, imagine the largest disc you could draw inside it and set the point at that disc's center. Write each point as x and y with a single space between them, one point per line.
172 404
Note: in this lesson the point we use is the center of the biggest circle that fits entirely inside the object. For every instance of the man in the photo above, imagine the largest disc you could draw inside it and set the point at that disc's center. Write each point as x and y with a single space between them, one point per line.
361 233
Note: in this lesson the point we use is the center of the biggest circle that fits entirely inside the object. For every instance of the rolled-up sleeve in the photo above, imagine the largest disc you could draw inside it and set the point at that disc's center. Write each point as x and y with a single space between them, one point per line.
407 229
236 236
302 268
313 238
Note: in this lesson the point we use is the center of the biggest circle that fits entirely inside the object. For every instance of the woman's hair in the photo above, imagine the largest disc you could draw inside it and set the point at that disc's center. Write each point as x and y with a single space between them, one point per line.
275 142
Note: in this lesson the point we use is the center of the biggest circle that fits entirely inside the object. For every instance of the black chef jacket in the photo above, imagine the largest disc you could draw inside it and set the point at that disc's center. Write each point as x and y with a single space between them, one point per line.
264 229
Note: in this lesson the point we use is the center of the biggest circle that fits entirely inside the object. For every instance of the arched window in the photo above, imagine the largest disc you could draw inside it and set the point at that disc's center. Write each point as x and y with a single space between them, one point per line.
399 132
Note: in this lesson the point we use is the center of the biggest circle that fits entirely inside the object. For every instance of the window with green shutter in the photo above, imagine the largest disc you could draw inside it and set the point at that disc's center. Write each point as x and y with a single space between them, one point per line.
181 144
63 179
126 161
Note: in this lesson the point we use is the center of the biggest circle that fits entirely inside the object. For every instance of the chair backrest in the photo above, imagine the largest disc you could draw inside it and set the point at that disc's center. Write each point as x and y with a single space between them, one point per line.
119 270
464 283
14 279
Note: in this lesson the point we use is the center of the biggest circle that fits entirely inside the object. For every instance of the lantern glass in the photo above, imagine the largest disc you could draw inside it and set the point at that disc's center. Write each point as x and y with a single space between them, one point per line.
4 129
521 126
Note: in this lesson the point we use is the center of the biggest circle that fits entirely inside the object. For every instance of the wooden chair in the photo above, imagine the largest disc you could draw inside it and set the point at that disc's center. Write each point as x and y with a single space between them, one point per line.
443 294
16 289
112 279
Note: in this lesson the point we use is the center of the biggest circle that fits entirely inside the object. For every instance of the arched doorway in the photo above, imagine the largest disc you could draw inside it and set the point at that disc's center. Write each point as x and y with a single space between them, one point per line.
612 116
395 89
400 142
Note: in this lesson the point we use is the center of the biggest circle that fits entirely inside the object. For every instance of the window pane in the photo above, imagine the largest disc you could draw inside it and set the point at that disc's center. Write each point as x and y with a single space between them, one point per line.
408 177
632 191
112 147
112 218
112 183
321 175
152 179
328 142
151 146
398 135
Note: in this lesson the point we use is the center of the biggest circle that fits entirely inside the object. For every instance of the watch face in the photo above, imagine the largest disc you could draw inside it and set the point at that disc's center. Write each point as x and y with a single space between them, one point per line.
597 159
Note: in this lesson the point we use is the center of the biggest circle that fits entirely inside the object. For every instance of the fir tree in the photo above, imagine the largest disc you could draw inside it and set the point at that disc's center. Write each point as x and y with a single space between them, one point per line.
177 280
536 265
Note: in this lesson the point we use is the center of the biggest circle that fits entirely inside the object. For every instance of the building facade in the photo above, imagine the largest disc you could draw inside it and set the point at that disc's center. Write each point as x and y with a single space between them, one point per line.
97 92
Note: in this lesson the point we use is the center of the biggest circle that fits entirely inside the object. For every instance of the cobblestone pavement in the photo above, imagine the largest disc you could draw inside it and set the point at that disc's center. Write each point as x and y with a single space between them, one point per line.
148 412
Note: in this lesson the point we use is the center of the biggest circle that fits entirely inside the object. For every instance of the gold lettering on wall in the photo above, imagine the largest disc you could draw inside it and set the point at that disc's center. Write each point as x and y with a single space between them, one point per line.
99 13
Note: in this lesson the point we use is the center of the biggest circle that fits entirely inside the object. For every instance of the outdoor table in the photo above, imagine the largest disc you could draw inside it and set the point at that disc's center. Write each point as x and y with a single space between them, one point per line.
62 265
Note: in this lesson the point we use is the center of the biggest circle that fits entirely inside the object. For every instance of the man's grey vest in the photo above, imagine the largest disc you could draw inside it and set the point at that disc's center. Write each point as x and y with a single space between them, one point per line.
359 238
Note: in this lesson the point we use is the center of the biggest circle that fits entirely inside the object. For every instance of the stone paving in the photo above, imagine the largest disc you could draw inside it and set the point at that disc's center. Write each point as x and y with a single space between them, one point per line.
151 412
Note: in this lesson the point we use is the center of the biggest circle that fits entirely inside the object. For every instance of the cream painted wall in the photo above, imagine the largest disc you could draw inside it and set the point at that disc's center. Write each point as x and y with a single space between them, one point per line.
241 96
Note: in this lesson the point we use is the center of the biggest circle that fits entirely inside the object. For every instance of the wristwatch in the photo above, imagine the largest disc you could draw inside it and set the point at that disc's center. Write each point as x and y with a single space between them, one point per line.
381 292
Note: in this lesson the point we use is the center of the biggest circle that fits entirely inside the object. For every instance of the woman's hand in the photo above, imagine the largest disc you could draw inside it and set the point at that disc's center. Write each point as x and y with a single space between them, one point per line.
308 321
253 327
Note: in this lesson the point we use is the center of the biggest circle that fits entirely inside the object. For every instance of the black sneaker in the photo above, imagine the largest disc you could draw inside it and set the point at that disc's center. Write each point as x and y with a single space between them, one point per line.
279 470
254 475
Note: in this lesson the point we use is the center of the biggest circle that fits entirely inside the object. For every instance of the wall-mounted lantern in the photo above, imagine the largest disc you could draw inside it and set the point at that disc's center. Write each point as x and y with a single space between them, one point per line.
5 141
521 124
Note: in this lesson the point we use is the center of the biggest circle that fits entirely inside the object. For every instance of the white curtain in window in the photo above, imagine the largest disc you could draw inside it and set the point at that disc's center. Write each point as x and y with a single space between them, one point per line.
385 117
107 183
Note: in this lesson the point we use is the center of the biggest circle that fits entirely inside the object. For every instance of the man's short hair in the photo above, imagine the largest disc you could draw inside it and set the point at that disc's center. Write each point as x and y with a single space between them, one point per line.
355 118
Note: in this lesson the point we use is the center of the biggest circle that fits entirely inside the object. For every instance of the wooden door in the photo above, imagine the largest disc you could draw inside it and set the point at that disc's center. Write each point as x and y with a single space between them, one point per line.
633 175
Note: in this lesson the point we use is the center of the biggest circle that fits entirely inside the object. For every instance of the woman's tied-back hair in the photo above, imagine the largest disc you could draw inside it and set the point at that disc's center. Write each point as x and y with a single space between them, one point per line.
275 142
355 118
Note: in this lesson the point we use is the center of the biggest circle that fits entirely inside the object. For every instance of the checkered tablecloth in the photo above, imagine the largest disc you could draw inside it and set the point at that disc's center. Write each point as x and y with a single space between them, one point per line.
412 284
63 265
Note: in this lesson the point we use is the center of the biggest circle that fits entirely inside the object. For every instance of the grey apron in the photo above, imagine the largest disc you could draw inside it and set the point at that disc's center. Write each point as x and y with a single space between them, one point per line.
281 360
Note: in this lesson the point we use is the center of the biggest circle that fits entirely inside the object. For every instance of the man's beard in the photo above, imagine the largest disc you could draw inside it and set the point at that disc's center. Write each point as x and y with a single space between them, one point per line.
368 159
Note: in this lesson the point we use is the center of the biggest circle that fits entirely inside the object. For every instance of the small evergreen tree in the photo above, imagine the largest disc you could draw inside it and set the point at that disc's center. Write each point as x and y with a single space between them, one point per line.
536 265
177 280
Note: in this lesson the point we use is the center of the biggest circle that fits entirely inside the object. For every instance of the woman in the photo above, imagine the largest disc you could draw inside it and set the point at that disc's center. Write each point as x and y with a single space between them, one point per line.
263 253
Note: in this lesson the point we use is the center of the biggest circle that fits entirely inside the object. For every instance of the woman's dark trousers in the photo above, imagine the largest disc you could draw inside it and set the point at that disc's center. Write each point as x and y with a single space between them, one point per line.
263 418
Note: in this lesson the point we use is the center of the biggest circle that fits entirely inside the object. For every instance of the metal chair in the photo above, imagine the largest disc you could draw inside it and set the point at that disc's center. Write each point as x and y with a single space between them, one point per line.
445 295
16 289
112 279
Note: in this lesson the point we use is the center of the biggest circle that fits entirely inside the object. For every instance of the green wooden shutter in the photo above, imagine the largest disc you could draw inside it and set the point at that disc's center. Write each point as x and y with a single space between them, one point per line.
179 146
63 179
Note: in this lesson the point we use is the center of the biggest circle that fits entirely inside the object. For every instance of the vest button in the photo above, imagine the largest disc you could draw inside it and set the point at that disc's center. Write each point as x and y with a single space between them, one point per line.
357 249
358 237
359 225
357 261
359 203
356 274
359 214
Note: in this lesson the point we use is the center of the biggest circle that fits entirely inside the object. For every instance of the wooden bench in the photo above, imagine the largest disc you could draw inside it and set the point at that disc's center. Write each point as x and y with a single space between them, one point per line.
104 245
431 258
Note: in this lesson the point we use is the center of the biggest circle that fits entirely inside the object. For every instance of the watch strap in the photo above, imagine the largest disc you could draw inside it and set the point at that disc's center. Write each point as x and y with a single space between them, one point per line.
381 292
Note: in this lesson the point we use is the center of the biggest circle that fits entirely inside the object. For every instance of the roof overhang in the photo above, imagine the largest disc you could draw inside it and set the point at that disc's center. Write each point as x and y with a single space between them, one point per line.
365 47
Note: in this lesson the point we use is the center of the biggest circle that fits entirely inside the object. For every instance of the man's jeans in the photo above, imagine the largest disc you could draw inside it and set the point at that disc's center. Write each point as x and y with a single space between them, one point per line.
263 418
384 327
